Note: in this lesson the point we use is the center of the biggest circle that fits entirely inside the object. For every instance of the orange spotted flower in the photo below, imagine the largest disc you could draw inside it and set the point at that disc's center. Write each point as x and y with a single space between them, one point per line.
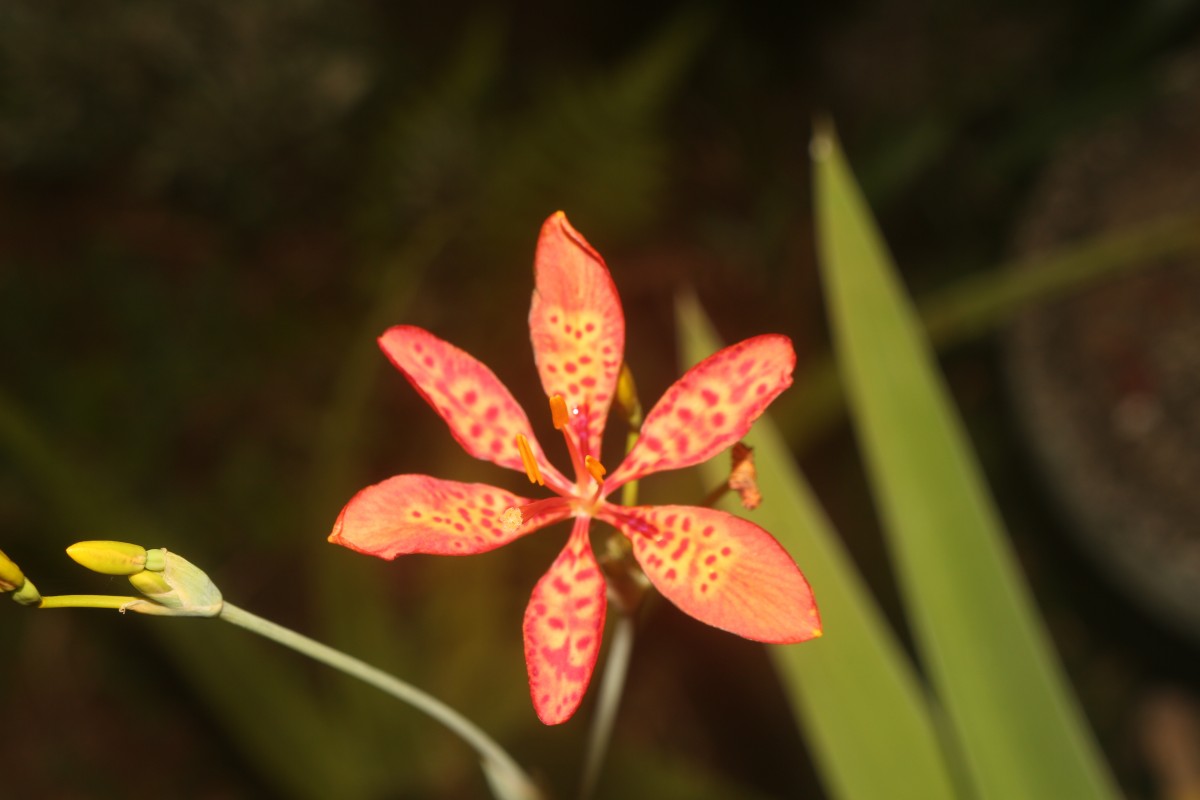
718 568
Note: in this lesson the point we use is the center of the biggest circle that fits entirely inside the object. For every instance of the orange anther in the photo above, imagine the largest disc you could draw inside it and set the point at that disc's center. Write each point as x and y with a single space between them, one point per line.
531 467
558 412
595 467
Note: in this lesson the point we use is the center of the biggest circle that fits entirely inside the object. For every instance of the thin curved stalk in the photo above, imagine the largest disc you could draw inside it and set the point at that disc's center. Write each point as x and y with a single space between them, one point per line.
612 685
507 779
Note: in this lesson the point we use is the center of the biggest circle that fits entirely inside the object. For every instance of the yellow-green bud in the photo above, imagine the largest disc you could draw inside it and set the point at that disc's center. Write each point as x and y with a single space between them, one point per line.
150 583
109 558
11 577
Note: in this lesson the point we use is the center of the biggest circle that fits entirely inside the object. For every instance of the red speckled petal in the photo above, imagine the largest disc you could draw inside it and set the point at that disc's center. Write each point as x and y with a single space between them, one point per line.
577 326
420 514
721 570
563 625
481 412
710 408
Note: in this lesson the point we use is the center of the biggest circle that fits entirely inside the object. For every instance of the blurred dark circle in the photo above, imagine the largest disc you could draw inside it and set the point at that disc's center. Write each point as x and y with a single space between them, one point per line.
1107 381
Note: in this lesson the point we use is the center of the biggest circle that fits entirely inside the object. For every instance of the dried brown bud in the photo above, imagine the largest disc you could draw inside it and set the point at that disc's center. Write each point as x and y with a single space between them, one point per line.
743 477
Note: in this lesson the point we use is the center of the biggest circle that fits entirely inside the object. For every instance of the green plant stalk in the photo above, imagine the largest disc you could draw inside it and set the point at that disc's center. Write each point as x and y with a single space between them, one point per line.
612 684
88 601
629 492
495 759
620 649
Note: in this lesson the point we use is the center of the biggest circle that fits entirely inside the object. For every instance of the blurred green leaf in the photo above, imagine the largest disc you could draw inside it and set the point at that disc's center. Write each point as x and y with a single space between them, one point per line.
854 690
987 653
980 303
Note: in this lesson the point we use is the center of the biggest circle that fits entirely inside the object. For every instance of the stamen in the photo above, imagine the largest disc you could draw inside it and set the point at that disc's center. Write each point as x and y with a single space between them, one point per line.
531 467
558 412
596 468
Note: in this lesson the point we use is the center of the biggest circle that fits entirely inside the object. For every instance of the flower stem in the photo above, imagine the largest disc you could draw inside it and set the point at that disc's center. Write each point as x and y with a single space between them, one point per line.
87 601
710 499
616 667
629 492
507 779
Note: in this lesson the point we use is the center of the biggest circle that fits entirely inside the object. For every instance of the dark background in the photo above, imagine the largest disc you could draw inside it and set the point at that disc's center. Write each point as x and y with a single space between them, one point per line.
208 212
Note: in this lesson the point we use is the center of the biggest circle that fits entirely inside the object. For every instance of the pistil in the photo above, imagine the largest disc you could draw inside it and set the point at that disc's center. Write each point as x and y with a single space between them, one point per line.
514 517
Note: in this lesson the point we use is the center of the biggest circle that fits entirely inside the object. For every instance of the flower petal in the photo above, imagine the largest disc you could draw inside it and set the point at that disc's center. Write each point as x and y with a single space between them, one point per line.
577 326
563 625
481 412
710 408
420 514
721 570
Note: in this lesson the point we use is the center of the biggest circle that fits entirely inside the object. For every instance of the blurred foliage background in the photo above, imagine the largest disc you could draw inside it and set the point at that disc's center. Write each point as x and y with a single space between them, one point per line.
209 211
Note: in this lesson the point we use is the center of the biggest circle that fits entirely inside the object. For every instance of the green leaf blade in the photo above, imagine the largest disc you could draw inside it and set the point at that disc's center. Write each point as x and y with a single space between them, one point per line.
988 656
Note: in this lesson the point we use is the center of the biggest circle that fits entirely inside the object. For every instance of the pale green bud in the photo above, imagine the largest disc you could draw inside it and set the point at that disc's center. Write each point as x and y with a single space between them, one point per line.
28 594
179 589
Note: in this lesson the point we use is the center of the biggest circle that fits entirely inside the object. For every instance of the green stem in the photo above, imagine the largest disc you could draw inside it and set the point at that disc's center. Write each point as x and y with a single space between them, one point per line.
88 601
710 499
506 778
629 492
616 667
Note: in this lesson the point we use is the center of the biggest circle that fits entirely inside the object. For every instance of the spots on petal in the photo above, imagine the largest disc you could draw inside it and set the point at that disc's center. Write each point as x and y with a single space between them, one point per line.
562 629
738 578
710 407
576 314
420 514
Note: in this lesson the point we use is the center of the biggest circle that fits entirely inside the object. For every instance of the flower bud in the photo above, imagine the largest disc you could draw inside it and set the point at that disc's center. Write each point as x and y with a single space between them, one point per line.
150 583
743 477
28 595
13 580
11 577
179 589
109 558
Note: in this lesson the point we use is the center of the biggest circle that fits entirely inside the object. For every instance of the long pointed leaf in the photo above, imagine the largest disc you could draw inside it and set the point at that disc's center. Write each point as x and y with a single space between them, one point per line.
988 655
853 691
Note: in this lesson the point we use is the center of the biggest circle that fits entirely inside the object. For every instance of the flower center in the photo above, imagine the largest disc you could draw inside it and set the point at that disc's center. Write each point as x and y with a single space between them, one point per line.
589 472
